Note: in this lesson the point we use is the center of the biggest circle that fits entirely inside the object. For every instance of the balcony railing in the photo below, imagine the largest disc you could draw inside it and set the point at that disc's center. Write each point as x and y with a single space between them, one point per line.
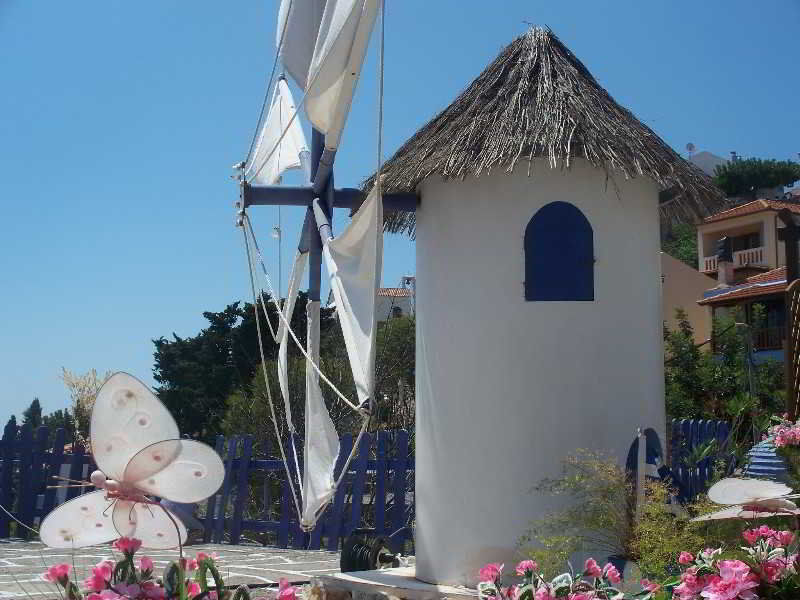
741 258
769 338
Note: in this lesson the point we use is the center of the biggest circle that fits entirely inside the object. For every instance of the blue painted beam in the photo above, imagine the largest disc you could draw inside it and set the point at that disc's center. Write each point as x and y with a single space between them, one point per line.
303 195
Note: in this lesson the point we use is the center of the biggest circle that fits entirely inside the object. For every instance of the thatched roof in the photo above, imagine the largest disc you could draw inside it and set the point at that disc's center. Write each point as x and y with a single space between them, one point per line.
536 99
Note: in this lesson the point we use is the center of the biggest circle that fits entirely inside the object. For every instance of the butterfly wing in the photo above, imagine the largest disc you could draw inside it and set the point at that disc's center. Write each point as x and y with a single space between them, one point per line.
735 490
126 418
193 472
150 524
731 512
82 521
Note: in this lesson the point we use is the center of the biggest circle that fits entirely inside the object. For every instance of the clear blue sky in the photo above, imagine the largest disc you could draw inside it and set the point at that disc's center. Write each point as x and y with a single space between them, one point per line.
120 121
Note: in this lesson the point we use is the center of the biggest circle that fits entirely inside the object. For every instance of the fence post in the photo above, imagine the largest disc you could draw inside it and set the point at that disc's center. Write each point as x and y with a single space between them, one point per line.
336 512
7 480
359 479
27 500
399 485
381 467
56 459
208 525
219 529
242 489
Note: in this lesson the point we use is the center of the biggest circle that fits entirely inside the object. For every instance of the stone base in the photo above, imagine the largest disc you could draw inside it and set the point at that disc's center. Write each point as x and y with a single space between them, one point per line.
399 583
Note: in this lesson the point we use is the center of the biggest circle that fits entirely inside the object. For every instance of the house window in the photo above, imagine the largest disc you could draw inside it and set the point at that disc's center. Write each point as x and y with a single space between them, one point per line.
559 254
745 242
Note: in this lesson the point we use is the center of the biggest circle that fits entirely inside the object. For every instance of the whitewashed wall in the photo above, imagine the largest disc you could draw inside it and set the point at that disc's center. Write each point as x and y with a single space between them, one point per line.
506 388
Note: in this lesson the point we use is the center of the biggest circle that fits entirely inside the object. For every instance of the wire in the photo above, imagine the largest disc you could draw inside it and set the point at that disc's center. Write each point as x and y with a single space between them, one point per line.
266 378
5 510
303 351
269 83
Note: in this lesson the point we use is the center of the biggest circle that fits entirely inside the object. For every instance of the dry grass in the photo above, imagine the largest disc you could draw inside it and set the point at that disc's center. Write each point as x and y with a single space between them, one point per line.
538 100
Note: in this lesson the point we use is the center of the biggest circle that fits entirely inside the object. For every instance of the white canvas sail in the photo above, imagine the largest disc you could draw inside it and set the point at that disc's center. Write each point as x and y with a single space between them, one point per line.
336 64
321 445
296 35
353 261
298 270
268 162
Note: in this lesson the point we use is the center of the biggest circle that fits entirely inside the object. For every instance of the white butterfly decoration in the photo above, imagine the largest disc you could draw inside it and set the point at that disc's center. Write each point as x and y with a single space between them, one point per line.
137 447
750 499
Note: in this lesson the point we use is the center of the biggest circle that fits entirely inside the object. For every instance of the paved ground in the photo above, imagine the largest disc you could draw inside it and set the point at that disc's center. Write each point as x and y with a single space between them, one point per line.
22 564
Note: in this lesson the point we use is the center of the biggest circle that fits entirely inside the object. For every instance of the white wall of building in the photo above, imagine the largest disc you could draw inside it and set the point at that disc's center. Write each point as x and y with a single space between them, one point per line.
507 388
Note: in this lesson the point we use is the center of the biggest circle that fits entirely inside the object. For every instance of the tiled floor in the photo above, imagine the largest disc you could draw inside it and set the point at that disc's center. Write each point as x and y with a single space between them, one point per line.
22 564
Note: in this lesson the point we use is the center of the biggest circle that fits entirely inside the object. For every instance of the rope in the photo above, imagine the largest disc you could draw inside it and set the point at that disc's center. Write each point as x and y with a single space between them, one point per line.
303 351
380 98
266 378
3 508
269 84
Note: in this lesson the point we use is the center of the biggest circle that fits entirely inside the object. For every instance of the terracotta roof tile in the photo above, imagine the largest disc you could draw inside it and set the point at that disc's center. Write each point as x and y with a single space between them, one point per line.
764 284
750 208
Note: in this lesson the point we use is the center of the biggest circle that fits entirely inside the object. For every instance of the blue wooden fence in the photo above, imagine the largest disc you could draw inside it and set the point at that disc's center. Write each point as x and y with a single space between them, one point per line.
685 436
254 499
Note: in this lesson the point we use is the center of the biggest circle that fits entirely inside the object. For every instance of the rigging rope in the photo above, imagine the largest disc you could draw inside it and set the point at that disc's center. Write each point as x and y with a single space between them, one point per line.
269 83
300 346
266 382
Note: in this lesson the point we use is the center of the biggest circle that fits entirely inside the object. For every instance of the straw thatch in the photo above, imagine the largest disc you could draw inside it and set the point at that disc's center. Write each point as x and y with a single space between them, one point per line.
538 100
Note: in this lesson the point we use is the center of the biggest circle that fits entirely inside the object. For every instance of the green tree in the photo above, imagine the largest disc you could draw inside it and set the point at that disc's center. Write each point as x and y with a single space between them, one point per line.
12 422
714 383
681 243
60 419
197 375
745 177
33 414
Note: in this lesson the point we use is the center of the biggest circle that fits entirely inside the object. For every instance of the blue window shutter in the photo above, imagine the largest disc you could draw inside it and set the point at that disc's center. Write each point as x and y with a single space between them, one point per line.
559 254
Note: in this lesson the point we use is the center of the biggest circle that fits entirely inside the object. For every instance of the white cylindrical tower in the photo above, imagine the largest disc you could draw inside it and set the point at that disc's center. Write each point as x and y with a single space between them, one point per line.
539 323
507 387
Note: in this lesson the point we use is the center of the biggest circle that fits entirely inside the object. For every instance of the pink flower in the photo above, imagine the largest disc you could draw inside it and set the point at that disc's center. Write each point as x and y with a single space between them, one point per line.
490 572
582 596
544 593
106 595
691 584
686 558
751 536
203 556
57 573
526 567
153 591
189 565
95 583
286 591
127 545
101 573
592 569
783 538
649 586
128 590
611 573
771 570
146 563
193 589
733 582
510 592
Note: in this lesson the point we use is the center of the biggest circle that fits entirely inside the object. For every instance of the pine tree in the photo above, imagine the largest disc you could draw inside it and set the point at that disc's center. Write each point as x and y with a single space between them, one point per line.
33 414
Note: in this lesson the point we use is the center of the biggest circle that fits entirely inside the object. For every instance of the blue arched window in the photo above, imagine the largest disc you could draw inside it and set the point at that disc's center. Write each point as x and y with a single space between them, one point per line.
559 254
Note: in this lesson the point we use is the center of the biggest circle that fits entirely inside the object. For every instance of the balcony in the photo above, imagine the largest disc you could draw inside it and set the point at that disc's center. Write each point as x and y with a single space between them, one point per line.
741 258
769 338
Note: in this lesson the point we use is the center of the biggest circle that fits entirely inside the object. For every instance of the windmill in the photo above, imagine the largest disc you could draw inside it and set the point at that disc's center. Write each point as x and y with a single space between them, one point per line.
322 45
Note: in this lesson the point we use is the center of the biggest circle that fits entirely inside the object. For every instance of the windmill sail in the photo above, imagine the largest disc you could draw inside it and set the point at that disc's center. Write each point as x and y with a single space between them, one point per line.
336 64
353 261
298 270
269 162
298 24
321 445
